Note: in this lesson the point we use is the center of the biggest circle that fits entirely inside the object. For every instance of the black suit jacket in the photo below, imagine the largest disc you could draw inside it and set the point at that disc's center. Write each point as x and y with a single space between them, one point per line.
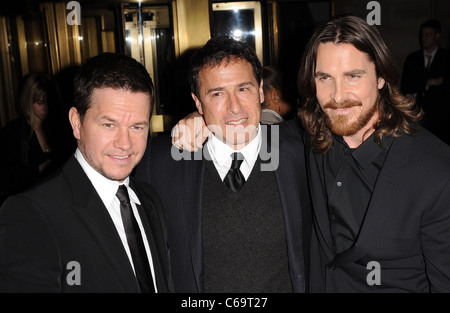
64 220
435 100
180 185
415 76
406 228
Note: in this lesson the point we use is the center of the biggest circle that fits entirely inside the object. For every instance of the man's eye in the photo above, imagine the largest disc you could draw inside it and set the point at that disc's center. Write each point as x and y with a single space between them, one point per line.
108 125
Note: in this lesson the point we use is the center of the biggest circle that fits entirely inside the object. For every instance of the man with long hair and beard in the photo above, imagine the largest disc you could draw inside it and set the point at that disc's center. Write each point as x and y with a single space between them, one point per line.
380 183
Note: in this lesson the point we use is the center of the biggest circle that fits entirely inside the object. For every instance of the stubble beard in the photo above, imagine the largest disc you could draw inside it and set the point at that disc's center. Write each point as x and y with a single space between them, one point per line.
99 167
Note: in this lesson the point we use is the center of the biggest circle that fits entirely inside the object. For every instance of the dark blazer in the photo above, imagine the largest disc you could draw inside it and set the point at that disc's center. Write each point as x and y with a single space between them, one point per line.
415 76
435 100
180 185
64 220
406 228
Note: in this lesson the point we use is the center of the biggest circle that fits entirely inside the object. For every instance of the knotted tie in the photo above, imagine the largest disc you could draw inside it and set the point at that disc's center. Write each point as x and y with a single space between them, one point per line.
234 179
135 242
428 61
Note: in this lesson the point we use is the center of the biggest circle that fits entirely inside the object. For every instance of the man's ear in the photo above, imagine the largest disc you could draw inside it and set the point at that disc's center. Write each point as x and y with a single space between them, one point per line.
198 103
381 82
75 121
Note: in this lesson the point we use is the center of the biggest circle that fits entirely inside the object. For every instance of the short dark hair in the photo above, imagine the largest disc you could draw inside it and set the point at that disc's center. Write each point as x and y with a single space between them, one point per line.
434 24
110 70
218 49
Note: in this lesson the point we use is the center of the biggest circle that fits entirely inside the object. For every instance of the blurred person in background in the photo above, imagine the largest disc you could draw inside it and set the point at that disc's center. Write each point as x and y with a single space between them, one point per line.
277 105
426 78
37 143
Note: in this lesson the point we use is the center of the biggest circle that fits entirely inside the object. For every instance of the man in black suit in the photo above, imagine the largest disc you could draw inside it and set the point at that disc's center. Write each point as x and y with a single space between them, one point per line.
426 75
92 228
380 184
245 235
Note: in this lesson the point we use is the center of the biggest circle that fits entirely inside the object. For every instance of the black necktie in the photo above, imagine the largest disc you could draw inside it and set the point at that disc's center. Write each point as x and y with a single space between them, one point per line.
135 242
234 179
428 61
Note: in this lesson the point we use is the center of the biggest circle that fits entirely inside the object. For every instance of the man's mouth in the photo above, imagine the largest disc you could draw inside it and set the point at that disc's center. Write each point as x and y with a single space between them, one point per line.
237 122
121 157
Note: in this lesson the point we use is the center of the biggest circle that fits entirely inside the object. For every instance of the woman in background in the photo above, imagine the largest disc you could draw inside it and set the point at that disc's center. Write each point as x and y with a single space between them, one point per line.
33 145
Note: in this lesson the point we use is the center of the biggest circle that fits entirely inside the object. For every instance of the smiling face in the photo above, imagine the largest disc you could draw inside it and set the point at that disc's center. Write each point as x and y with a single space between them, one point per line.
230 101
347 90
113 134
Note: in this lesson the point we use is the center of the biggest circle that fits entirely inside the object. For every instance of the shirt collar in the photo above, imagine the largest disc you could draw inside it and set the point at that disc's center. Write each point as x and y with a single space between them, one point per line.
366 153
425 53
106 188
221 152
274 113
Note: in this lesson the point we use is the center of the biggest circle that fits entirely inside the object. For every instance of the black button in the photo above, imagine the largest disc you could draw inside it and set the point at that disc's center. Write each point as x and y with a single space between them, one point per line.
331 268
332 216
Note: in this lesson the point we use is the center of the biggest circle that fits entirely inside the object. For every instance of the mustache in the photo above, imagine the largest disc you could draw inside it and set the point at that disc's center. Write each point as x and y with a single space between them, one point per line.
343 105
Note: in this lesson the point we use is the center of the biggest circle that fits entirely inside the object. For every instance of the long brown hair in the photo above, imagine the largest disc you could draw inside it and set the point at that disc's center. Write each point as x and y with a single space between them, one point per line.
398 114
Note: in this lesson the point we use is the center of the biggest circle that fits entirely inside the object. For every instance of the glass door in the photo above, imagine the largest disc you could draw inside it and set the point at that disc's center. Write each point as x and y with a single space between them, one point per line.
149 40
240 20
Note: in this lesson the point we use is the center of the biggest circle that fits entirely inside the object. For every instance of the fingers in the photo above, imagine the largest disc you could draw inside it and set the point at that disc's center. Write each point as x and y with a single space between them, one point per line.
198 131
190 132
175 133
182 136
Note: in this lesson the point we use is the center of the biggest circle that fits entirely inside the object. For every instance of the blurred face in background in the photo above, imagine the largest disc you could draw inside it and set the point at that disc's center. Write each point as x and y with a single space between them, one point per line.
40 108
429 38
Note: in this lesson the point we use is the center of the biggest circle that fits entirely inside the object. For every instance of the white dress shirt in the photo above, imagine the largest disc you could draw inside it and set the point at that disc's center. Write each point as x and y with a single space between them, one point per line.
221 154
107 189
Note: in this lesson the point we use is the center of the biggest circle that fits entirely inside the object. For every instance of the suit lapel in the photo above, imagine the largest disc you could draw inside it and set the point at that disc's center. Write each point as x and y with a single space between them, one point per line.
382 201
154 233
93 214
193 172
290 186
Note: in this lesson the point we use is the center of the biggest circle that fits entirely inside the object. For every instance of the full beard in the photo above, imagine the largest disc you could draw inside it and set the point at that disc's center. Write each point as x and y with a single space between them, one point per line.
340 124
